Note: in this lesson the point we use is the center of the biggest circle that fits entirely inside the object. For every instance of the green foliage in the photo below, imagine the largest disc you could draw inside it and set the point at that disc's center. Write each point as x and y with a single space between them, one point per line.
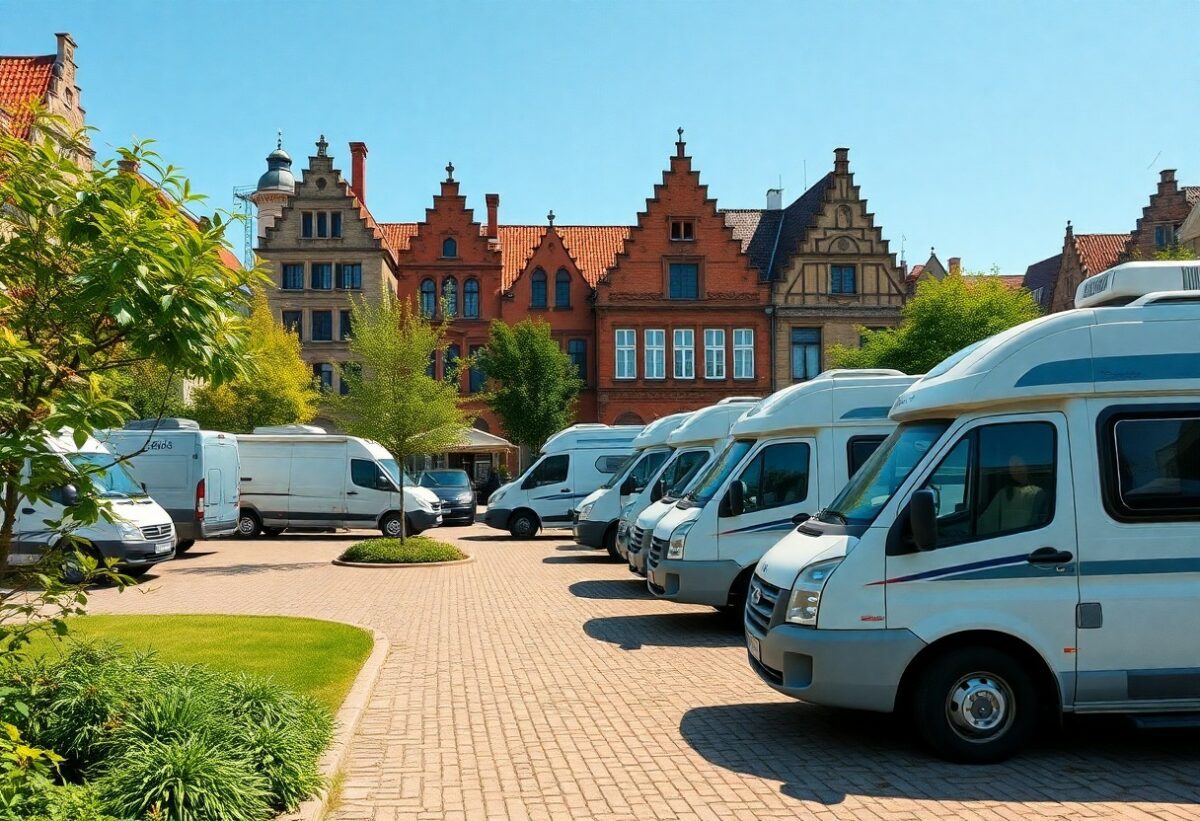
1181 252
150 390
413 550
26 774
942 318
533 384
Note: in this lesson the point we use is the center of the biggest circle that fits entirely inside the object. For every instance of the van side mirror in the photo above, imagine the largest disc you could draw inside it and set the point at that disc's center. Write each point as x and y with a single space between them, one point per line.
658 491
628 486
384 482
70 495
922 518
736 498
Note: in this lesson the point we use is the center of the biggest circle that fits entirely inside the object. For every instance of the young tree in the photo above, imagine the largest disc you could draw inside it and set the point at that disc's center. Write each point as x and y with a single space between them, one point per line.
392 397
534 384
945 316
149 388
277 388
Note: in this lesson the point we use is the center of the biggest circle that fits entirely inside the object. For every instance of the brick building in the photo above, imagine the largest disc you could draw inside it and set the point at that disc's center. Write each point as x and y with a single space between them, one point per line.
49 80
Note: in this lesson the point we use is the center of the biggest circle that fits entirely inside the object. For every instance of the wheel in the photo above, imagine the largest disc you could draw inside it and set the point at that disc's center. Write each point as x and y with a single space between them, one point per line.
272 531
523 525
184 546
610 542
392 526
738 592
73 571
249 525
975 705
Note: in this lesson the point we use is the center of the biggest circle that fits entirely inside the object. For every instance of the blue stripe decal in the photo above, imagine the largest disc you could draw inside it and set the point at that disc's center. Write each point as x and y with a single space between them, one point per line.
1147 367
958 568
1120 567
778 524
1018 567
867 413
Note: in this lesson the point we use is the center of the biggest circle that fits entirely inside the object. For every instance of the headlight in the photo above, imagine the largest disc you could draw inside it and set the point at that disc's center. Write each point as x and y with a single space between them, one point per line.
678 537
805 600
586 510
466 497
129 533
495 497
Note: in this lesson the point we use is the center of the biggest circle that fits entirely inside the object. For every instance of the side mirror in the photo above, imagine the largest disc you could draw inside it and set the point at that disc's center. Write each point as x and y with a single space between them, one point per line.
922 518
801 518
659 490
628 486
70 495
384 483
736 497
144 488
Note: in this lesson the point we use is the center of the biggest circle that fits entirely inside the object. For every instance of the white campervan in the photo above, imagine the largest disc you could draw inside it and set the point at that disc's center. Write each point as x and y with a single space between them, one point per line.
696 443
595 519
574 462
1026 543
192 473
317 480
788 456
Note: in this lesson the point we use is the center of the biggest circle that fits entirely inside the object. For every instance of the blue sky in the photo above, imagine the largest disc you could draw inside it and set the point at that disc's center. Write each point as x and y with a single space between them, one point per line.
978 128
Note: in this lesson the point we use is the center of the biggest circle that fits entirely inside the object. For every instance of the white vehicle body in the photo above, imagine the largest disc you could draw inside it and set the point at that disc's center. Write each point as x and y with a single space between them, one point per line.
1034 518
574 462
321 481
141 535
789 455
192 473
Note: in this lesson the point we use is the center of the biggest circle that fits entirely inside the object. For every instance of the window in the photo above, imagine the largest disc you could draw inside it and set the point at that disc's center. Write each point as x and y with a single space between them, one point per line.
306 224
683 230
335 223
611 464
322 224
743 353
646 467
323 373
858 450
367 474
428 298
475 377
776 476
626 353
349 275
449 247
322 326
537 293
685 353
806 353
293 321
1151 463
997 480
450 296
350 370
431 369
577 351
471 298
841 279
714 353
552 470
450 371
322 276
345 319
656 353
293 276
562 289
1164 236
681 470
684 280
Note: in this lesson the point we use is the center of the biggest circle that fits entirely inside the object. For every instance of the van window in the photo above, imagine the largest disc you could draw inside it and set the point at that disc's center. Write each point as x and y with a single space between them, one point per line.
712 480
859 450
365 473
550 471
611 464
1153 465
646 467
777 476
677 475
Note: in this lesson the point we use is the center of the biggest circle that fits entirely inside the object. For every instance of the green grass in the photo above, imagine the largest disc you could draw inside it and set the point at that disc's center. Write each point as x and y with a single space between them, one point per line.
413 550
317 658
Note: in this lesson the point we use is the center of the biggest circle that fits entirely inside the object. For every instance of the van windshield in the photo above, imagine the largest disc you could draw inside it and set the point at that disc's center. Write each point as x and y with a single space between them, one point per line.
718 472
618 476
677 475
112 480
445 478
860 501
393 471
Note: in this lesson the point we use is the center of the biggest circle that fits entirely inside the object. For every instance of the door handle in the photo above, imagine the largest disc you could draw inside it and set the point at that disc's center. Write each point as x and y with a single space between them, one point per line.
1049 555
351 492
565 490
28 511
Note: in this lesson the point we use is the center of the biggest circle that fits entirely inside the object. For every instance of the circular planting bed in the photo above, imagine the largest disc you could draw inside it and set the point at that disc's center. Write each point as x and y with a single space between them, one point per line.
415 551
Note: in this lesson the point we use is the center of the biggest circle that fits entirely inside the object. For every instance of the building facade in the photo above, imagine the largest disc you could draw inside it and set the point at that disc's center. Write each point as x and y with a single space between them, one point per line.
1159 225
1083 255
49 80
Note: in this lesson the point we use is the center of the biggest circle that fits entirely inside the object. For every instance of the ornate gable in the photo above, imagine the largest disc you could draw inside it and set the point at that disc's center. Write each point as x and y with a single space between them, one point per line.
450 219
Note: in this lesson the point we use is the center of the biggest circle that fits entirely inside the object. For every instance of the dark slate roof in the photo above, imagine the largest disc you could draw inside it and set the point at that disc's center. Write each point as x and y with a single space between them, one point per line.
1043 275
757 229
771 237
797 219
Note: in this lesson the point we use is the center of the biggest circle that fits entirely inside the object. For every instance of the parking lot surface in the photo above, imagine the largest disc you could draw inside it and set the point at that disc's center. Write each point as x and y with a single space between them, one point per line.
542 681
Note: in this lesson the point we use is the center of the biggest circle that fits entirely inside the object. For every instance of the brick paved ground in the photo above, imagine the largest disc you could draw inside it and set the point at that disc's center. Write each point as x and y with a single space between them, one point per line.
543 682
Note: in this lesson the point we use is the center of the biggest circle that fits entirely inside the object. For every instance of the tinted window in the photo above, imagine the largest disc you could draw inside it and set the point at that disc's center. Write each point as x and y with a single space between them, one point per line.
1156 466
859 450
611 464
719 471
550 471
682 469
860 501
646 467
364 473
777 476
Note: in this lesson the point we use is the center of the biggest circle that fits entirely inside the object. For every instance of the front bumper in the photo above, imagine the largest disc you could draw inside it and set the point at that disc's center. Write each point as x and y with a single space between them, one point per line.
136 554
497 517
458 511
424 519
693 582
590 533
637 562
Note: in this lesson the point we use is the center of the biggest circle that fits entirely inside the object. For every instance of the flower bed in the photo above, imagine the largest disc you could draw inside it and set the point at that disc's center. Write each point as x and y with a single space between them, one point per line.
413 550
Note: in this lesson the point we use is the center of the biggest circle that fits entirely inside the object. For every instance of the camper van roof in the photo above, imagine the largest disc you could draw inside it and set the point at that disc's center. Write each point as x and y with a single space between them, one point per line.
290 430
162 424
1123 284
591 435
709 424
861 397
64 442
656 432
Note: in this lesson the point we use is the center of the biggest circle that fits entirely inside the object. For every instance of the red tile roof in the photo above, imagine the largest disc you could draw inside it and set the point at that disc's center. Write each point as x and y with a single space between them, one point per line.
23 79
914 272
593 247
517 244
1191 194
1098 252
1014 282
398 235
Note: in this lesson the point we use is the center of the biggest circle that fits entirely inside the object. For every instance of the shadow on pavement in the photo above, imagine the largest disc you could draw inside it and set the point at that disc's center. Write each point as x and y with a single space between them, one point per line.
611 589
249 569
823 754
501 536
591 557
666 630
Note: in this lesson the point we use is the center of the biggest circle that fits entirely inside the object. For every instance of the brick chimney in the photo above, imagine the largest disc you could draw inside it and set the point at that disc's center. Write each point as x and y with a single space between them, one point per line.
493 206
774 199
841 160
1166 181
956 265
358 171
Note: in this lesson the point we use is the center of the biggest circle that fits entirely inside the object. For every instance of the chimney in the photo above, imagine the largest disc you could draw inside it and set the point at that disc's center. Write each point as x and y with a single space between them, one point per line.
358 171
493 205
956 265
66 48
774 199
1166 181
841 160
128 166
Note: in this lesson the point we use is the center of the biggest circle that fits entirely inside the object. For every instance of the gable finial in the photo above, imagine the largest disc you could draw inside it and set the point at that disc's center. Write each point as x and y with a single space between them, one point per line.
279 138
322 147
449 172
679 145
550 216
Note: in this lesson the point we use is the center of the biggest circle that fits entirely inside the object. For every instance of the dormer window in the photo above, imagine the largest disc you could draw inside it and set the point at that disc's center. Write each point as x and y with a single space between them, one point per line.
449 248
683 230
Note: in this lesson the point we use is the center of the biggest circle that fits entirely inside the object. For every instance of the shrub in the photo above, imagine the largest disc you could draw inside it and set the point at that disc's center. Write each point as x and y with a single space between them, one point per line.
413 550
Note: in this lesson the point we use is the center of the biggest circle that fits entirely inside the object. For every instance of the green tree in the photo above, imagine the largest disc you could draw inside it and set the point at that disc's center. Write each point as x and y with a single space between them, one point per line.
149 388
943 317
1180 252
533 384
276 389
392 398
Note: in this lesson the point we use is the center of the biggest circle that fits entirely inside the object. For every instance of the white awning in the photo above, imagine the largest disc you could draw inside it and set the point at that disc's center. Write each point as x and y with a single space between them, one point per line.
478 441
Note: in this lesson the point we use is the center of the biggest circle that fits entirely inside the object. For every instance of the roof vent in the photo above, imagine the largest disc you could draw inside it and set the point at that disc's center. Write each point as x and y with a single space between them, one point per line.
163 424
1138 282
730 399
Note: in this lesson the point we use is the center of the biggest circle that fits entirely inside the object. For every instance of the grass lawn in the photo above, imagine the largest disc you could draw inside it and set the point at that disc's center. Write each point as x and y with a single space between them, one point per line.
320 658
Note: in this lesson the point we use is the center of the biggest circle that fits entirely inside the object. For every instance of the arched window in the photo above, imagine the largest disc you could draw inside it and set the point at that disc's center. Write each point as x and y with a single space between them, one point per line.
471 298
450 296
562 289
449 247
629 418
538 297
450 364
428 298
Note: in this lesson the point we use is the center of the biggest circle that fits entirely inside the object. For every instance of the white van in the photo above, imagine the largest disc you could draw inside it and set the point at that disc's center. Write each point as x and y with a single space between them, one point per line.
574 462
141 535
696 443
192 473
789 455
318 480
1026 543
595 517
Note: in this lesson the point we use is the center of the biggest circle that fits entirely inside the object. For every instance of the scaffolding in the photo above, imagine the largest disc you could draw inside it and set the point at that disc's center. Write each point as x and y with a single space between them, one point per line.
244 205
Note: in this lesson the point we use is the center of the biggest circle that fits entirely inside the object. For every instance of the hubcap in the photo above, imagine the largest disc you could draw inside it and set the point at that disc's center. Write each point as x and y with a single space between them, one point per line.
246 525
980 706
393 527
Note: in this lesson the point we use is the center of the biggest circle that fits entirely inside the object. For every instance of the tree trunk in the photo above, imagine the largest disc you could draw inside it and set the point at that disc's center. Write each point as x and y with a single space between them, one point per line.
8 524
403 515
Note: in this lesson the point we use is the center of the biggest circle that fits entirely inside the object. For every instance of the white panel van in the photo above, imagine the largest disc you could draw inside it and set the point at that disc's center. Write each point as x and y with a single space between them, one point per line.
192 473
574 462
1026 543
789 455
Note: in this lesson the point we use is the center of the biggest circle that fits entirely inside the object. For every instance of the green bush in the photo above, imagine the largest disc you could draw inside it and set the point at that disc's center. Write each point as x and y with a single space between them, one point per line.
413 550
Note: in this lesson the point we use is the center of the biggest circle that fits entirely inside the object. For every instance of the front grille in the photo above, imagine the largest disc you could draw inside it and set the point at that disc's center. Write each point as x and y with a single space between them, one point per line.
761 605
635 540
156 533
658 549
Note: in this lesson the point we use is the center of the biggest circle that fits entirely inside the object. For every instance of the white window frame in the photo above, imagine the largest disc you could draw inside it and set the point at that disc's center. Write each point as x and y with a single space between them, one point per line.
717 370
684 354
655 353
625 349
743 367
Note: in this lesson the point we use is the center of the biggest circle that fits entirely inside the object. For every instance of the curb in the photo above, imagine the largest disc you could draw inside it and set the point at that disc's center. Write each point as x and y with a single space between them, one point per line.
349 717
341 563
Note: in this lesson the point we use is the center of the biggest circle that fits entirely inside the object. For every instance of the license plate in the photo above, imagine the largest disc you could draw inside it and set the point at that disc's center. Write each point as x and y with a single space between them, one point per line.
755 647
163 547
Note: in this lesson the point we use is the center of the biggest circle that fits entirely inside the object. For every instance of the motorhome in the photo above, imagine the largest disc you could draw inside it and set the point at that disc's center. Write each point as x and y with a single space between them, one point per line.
695 444
1025 544
595 519
314 480
192 473
788 457
573 463
139 536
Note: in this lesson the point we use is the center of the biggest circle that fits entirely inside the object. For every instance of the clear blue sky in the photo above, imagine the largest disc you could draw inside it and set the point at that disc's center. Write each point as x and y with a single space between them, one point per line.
980 128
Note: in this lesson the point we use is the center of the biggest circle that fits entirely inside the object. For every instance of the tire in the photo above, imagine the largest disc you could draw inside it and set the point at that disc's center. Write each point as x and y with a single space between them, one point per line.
184 546
1000 692
249 525
72 571
392 526
738 591
523 525
272 532
610 542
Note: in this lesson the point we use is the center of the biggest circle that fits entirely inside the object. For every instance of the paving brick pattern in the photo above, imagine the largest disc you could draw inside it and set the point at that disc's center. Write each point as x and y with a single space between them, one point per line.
543 682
